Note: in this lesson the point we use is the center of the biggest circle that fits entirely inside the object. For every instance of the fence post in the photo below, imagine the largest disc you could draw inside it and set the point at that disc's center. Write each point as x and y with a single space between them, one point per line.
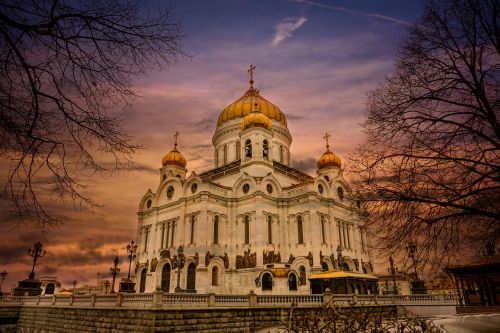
38 300
211 299
157 299
327 296
92 300
252 298
54 299
119 299
71 300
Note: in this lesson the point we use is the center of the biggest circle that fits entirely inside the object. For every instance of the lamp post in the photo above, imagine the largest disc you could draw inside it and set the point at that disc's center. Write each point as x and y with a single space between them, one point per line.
114 272
412 248
132 253
106 286
180 257
417 285
3 274
74 284
393 275
36 252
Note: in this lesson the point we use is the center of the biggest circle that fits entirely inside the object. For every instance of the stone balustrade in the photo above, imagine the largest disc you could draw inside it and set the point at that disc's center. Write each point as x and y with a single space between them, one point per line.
166 300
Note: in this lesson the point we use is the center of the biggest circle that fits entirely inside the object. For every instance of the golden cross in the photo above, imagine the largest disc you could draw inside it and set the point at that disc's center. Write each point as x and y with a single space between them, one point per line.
250 71
326 138
175 136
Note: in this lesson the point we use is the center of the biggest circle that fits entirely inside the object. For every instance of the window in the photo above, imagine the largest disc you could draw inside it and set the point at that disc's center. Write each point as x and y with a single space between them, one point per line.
215 276
323 238
292 282
165 278
246 188
238 150
194 187
193 221
269 188
281 154
302 275
300 230
172 234
149 203
170 192
265 150
191 277
269 229
320 189
340 192
216 157
247 229
142 287
216 229
267 281
248 149
225 154
50 288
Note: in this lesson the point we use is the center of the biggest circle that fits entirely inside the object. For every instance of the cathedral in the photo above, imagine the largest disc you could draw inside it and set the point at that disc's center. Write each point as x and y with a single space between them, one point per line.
252 222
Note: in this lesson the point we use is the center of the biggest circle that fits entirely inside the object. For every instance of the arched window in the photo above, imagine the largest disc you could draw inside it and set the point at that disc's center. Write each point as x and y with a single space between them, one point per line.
281 154
300 230
215 276
191 277
302 275
324 266
216 229
323 238
193 222
216 157
247 229
269 229
238 150
248 149
165 278
267 281
225 154
142 287
265 150
292 282
50 288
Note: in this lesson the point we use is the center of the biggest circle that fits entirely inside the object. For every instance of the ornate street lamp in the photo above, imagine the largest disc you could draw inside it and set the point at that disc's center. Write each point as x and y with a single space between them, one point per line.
106 286
417 285
392 270
36 252
180 258
114 272
132 253
74 284
3 274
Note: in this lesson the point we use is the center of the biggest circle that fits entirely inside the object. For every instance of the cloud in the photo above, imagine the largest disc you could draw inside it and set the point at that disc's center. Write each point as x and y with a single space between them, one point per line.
286 28
350 11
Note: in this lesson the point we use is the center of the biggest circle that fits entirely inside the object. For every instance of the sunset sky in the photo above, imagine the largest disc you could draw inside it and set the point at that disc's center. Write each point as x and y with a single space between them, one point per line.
315 59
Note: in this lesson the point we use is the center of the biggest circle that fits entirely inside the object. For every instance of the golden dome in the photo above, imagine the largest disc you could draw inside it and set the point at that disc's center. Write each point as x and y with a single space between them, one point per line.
174 157
256 119
243 106
329 159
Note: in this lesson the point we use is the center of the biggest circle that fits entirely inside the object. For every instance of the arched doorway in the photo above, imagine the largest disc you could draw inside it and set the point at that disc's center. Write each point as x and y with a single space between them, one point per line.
142 287
50 288
165 277
191 277
292 282
267 281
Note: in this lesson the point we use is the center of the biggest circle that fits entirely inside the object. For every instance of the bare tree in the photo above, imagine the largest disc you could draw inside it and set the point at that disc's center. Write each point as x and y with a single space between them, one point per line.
64 66
431 169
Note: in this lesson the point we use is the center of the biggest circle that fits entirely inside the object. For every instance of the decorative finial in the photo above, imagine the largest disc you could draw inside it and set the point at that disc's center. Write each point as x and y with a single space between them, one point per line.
175 136
326 138
250 71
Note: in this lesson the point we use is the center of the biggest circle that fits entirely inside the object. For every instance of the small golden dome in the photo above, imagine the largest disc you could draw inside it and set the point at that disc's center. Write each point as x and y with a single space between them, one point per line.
329 159
174 157
256 119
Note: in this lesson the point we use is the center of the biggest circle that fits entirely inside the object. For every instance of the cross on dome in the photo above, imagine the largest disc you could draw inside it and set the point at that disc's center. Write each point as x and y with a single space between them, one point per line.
250 71
175 137
326 138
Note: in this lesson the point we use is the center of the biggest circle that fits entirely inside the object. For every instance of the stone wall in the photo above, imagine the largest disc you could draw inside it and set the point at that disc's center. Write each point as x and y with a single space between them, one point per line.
69 320
8 318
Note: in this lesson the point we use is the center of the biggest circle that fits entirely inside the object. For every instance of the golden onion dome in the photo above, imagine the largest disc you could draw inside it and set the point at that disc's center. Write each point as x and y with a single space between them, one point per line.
244 106
329 159
174 157
256 119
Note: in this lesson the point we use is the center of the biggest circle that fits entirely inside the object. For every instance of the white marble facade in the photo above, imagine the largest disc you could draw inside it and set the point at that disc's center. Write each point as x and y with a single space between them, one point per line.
252 222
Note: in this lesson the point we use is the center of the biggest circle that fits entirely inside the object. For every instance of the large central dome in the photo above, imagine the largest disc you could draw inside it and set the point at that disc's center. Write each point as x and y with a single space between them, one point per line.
244 105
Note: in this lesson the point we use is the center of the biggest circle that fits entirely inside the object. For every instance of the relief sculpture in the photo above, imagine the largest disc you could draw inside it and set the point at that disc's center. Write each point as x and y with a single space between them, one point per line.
247 260
154 263
270 257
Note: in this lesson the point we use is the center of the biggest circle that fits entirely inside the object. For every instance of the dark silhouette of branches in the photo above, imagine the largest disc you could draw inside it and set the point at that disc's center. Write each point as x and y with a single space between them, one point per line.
332 318
64 66
431 171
